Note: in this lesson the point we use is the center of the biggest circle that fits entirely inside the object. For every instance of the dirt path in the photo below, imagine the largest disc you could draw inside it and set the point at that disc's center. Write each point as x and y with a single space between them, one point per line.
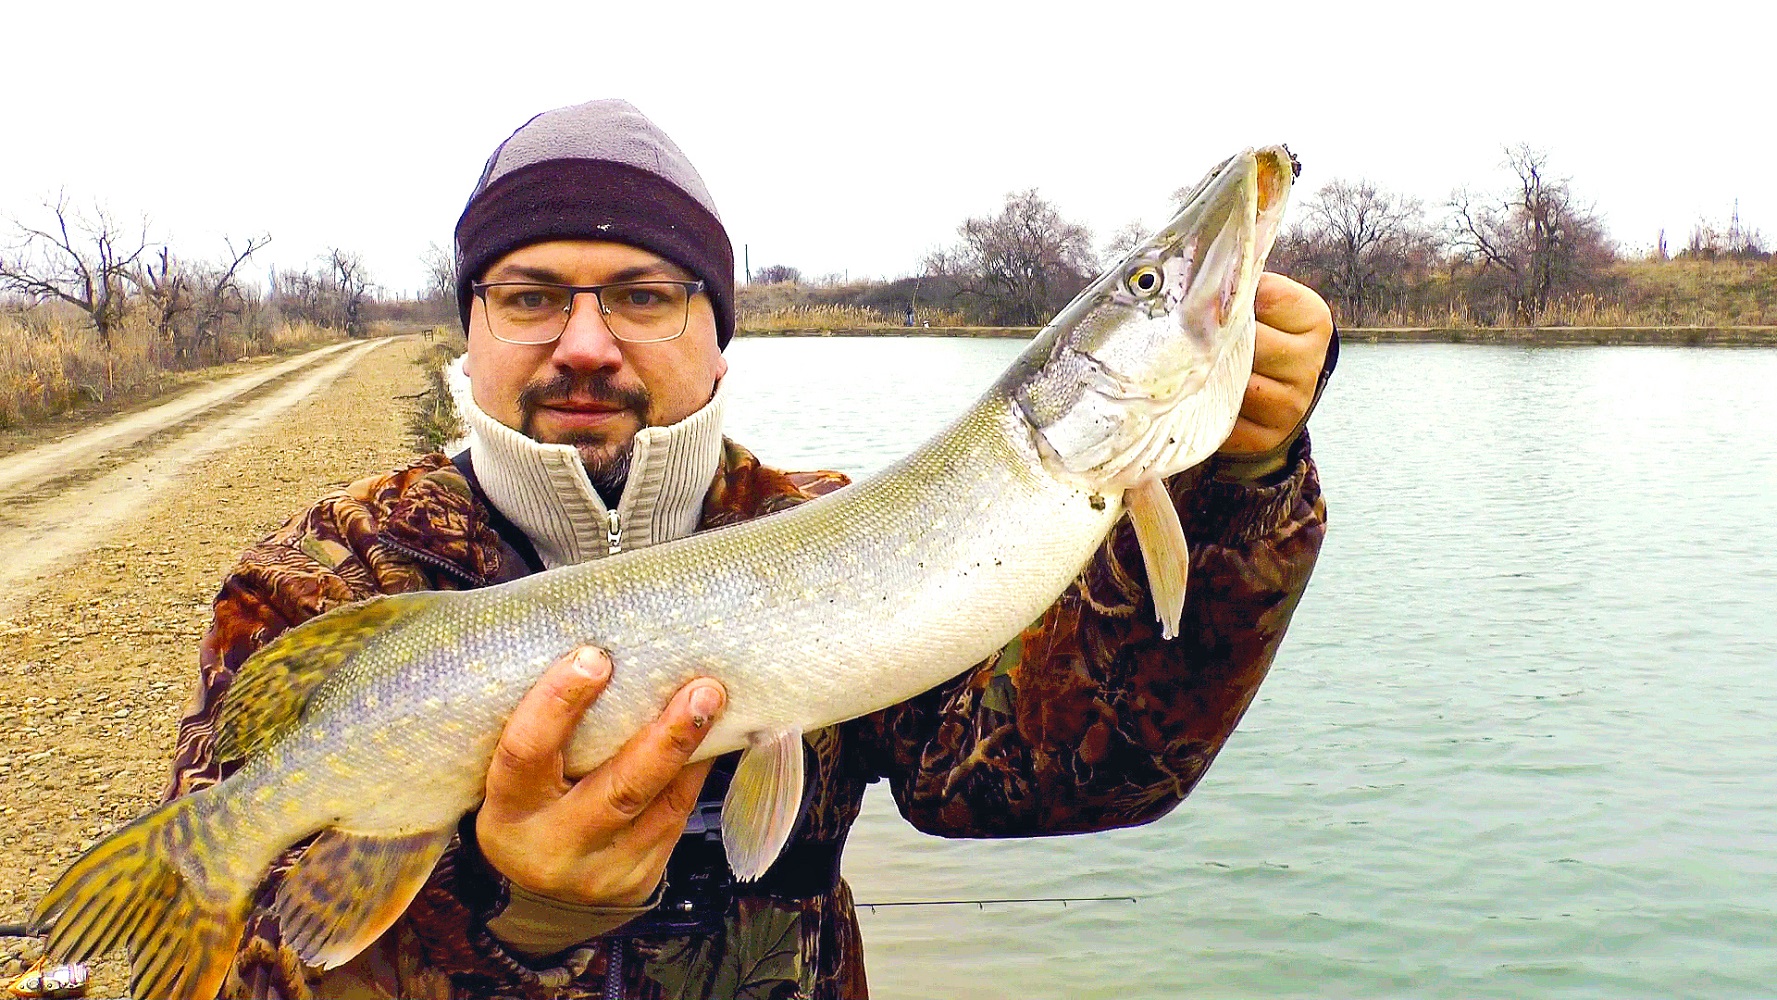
56 502
97 657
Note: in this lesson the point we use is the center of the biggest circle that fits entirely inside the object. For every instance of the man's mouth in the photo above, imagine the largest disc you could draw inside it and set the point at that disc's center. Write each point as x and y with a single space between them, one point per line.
571 415
583 406
569 407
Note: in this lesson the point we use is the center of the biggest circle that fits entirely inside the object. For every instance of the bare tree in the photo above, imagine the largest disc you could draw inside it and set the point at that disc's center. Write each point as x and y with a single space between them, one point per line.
1018 267
219 296
85 260
190 304
303 296
1360 245
1537 240
441 278
351 284
1131 235
166 291
774 274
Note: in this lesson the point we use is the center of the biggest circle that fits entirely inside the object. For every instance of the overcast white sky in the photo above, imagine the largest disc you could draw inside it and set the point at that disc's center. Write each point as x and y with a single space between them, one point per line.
850 137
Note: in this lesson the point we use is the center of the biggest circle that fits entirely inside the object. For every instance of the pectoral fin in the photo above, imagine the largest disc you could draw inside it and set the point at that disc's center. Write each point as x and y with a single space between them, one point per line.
763 803
1164 550
267 696
347 889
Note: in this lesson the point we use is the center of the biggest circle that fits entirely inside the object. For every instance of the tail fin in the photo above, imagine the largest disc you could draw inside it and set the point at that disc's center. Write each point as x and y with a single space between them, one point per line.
182 932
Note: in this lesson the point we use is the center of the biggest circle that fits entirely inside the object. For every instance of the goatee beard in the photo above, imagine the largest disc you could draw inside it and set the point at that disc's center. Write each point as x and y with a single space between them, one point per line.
606 460
609 473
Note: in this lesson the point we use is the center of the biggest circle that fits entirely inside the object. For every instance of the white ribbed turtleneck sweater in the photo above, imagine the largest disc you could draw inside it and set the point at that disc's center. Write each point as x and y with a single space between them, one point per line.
544 489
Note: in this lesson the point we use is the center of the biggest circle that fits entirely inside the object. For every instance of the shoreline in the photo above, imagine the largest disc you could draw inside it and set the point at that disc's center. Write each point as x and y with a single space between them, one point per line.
1545 336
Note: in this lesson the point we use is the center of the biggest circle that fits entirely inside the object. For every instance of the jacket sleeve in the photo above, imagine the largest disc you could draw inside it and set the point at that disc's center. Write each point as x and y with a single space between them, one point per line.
328 556
1090 720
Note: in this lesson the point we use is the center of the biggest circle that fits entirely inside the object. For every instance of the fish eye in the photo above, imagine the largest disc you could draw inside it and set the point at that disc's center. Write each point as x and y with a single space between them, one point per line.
1144 281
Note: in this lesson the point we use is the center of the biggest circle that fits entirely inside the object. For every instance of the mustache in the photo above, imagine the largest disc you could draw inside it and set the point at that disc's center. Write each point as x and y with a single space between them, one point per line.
598 387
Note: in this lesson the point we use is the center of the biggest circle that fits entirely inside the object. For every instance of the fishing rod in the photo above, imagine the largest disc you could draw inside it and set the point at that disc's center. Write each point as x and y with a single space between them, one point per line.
982 903
28 930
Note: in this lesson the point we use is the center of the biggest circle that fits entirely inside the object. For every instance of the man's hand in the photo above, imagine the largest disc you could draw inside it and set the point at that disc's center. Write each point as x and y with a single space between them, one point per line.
602 840
1294 328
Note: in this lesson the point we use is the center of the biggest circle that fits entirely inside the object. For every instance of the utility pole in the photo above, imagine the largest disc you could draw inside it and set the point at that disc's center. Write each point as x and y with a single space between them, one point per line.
746 252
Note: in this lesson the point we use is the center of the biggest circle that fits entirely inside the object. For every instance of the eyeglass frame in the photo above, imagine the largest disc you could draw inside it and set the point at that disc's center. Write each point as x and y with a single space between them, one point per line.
479 289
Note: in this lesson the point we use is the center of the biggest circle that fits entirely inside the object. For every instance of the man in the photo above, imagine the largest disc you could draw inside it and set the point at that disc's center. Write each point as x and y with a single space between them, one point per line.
597 294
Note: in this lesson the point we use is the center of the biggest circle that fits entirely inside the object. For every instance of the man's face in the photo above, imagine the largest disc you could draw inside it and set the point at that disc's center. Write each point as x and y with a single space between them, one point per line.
589 389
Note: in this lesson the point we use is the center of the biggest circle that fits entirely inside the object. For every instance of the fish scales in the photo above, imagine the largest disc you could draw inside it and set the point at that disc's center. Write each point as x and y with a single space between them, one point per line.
373 725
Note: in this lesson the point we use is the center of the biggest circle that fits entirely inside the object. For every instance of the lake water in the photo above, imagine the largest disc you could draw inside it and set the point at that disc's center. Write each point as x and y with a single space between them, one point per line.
1521 740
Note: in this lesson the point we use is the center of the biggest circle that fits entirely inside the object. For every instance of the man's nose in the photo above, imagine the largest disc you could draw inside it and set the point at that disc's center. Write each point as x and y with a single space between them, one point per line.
586 343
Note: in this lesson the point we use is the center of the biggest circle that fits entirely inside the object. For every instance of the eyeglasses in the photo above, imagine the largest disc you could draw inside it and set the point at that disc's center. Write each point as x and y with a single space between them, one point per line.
636 312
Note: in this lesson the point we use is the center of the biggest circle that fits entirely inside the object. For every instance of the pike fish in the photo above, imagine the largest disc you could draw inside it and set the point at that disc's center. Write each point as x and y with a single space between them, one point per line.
370 728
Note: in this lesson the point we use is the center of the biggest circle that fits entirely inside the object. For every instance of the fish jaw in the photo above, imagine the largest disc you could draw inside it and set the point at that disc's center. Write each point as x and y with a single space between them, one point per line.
1144 371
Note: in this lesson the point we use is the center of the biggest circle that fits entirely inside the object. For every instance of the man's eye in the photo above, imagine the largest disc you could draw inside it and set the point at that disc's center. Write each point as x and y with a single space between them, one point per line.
531 300
641 297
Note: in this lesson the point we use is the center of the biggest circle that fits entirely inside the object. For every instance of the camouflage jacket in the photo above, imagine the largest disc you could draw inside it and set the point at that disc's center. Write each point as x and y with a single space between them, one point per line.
1087 721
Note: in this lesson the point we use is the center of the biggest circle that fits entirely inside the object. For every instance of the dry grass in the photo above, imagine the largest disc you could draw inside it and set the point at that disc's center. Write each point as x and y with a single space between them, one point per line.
1642 293
435 422
52 363
834 317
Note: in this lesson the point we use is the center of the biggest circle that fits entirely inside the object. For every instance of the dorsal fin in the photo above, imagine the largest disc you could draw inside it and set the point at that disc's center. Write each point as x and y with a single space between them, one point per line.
270 690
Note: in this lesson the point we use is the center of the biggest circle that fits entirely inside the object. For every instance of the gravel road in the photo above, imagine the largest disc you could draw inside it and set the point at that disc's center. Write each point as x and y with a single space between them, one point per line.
98 644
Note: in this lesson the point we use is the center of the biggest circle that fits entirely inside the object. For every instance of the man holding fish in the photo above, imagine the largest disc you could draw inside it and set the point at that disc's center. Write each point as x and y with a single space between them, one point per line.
596 289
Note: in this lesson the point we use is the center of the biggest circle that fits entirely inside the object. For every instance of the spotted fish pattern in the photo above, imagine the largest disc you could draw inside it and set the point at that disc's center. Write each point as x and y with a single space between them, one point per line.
1087 721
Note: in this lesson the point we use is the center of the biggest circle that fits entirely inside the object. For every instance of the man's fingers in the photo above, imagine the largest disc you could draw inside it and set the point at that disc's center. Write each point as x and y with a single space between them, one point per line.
1273 404
1249 438
1291 307
526 769
649 762
665 818
1295 327
1284 357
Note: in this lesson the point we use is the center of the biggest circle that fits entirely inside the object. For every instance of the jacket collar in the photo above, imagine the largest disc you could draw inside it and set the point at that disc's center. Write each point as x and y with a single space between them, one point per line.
544 490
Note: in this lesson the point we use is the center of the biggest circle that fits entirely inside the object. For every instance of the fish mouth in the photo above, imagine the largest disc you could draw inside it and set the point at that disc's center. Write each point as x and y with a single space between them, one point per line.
1241 206
1148 366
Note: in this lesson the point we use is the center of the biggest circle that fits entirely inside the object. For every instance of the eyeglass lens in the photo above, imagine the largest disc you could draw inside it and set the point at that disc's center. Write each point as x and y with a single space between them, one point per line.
637 312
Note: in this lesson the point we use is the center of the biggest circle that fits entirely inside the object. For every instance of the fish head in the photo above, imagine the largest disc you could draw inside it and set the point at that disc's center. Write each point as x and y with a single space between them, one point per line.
1142 374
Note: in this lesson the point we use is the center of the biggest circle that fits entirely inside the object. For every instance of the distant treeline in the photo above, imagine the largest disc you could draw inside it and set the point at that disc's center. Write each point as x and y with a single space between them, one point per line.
1531 253
93 309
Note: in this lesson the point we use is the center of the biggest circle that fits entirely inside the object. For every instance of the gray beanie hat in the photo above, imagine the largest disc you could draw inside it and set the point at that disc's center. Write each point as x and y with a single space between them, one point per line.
595 171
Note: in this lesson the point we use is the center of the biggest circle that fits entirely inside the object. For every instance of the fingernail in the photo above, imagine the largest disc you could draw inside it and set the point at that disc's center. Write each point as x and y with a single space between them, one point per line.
705 703
593 665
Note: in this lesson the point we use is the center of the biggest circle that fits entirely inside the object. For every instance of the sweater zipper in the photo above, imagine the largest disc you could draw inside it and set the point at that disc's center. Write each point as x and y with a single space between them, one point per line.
613 532
614 968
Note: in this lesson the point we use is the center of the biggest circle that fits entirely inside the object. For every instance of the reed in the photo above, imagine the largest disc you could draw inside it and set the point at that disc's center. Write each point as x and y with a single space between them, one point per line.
834 317
52 362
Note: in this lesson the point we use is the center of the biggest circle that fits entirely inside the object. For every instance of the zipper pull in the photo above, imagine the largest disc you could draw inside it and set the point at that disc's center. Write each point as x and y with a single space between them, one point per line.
613 532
